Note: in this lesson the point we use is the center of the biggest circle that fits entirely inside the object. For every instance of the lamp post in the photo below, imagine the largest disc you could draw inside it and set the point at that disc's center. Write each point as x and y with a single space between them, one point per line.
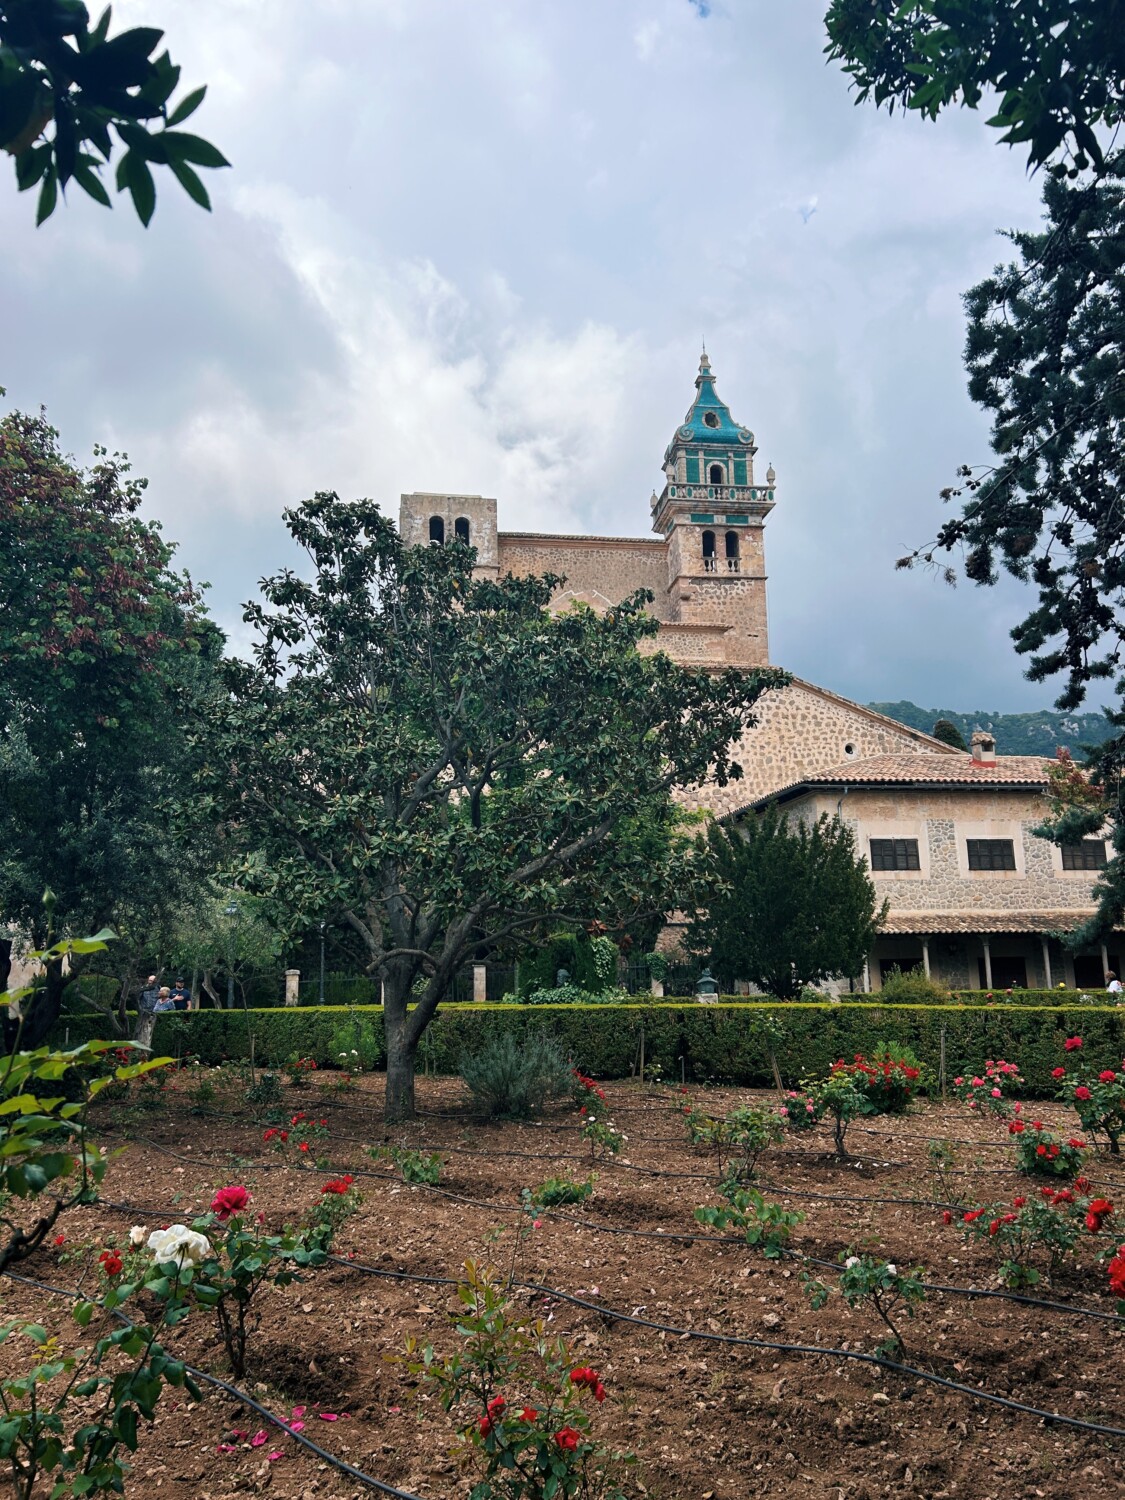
231 910
322 926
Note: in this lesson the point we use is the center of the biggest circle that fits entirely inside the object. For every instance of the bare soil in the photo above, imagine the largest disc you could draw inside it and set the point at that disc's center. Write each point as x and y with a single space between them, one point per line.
707 1421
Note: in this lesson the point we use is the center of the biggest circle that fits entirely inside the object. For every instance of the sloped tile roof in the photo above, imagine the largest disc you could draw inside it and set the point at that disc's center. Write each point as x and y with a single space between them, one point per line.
920 768
920 923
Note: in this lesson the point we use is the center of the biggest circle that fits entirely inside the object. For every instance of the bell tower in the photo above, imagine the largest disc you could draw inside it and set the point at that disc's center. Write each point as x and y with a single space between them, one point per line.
712 512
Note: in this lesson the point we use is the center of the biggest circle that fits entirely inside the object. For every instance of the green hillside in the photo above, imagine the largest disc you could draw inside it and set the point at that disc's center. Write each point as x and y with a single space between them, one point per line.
1040 733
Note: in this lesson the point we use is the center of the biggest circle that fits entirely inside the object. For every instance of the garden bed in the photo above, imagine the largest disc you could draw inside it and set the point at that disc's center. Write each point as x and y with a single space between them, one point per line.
705 1419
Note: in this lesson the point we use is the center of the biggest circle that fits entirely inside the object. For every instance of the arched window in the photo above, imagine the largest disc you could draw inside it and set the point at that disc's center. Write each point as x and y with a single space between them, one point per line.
437 530
731 547
461 529
715 474
709 551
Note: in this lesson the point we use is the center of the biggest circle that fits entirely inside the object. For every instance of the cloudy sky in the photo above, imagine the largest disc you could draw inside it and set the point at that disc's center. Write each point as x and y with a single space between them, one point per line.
474 247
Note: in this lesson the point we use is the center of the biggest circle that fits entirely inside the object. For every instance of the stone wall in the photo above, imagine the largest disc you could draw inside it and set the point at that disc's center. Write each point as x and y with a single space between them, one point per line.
942 822
595 567
801 730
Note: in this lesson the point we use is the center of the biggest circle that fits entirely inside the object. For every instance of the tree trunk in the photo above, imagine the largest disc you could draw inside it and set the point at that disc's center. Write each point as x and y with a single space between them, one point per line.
400 1063
146 1025
40 1011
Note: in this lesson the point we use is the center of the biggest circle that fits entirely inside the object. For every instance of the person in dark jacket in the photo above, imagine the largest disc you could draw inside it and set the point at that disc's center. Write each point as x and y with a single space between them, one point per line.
149 996
181 995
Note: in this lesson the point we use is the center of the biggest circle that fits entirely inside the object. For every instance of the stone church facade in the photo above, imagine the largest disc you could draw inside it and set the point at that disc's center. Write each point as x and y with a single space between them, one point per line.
705 565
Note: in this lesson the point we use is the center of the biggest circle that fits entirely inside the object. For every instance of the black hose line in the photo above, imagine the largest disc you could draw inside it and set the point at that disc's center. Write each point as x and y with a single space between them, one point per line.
819 1350
247 1400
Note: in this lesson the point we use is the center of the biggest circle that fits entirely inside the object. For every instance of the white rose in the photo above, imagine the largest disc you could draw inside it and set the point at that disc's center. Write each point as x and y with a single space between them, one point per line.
852 1260
178 1244
137 1235
892 1270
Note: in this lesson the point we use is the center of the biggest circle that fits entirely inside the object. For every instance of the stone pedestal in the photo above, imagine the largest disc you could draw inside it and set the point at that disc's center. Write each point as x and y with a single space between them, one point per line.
656 987
480 983
292 980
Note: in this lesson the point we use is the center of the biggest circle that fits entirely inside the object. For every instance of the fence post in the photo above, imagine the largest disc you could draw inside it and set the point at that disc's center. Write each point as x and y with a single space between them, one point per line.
941 1072
642 1052
292 983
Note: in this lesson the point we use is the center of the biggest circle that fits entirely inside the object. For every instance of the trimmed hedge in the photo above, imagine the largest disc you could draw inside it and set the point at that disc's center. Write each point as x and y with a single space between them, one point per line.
708 1042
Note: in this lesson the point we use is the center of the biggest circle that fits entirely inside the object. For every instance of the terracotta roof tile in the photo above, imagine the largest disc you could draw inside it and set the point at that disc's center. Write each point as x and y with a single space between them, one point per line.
923 922
909 767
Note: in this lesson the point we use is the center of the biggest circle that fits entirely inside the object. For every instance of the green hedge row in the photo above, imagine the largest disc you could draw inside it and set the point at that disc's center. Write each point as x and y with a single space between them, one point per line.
698 1042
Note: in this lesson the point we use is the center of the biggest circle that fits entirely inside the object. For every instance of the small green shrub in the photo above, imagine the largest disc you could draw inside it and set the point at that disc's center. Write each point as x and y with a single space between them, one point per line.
512 1079
765 1226
356 1044
266 1093
556 1191
912 988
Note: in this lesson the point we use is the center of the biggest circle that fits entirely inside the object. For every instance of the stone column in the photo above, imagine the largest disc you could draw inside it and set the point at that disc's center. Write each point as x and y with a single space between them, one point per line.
480 983
987 963
1047 963
292 980
926 956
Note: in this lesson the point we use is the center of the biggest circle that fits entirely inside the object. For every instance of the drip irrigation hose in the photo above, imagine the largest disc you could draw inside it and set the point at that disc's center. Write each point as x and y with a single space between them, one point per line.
498 1207
247 1400
818 1350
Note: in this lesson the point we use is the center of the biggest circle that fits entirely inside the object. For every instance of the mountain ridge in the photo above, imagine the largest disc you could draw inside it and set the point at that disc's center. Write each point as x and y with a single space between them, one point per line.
1038 733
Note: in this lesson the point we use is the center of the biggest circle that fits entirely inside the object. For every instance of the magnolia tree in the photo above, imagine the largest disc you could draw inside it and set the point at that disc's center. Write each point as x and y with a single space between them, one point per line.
441 763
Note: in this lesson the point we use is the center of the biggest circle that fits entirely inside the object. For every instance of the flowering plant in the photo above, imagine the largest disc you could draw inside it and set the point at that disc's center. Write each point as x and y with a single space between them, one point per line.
888 1079
297 1069
523 1407
222 1261
865 1279
1098 1099
1042 1152
585 1088
1116 1270
338 1201
798 1112
839 1098
604 1137
1039 1227
986 1093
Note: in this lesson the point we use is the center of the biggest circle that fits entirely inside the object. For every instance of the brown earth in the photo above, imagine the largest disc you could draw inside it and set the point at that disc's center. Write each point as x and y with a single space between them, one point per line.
706 1421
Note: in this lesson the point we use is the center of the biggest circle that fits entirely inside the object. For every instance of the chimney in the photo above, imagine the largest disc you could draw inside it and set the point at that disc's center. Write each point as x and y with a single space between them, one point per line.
984 748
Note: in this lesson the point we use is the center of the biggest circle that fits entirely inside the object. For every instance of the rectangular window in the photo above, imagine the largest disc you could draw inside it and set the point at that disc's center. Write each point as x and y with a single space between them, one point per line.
740 471
693 471
1088 855
991 854
894 854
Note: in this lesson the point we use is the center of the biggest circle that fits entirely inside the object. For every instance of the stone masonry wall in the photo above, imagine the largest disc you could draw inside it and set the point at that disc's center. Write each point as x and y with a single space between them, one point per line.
943 822
802 729
609 567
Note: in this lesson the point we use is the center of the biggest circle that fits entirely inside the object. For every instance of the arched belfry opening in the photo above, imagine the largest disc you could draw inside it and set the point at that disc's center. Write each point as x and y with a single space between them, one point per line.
731 548
708 551
437 531
461 529
715 474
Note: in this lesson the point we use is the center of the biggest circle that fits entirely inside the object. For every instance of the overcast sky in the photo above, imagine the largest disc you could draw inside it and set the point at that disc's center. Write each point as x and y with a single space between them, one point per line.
473 245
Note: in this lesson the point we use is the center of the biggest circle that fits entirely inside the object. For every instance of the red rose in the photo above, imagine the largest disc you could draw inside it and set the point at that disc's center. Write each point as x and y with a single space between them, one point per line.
994 1226
973 1215
304 1146
1072 1044
529 1414
1018 1202
338 1184
485 1426
1093 1223
111 1262
60 1239
568 1438
1108 1076
1082 1092
284 1134
1058 1072
947 1217
228 1201
496 1406
1040 1150
1100 1206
